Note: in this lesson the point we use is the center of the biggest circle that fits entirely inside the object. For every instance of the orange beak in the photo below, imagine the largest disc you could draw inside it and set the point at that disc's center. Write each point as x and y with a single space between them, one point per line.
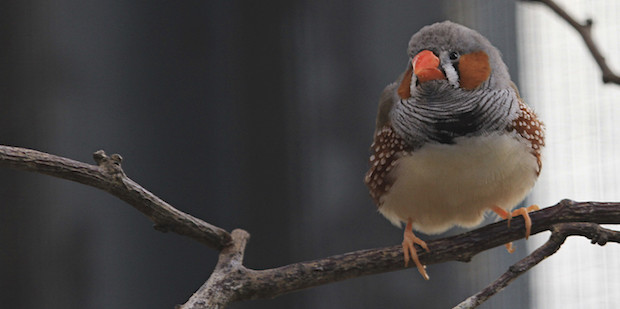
426 66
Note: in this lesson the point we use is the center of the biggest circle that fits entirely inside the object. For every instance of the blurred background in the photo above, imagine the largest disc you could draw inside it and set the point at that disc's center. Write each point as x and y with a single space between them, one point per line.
259 115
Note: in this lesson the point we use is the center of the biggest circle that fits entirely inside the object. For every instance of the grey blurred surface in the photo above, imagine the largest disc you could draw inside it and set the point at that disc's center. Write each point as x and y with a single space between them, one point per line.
246 114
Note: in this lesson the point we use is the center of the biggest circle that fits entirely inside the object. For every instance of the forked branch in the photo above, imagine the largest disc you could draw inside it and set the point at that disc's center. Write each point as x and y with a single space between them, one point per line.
232 281
559 233
253 284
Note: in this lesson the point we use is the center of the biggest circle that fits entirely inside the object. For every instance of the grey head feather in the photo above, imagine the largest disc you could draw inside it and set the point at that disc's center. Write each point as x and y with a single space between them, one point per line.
449 36
439 112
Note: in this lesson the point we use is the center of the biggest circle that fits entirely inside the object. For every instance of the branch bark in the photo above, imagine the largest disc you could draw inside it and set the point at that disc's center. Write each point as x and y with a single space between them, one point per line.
231 281
559 233
222 286
253 284
585 31
108 175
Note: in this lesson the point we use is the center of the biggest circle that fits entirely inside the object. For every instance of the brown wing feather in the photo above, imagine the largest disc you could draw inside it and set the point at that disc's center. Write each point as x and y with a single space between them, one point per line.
529 127
386 148
385 105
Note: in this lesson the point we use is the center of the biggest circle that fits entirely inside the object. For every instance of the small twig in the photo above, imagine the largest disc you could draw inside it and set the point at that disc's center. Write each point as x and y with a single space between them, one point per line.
559 233
585 30
108 175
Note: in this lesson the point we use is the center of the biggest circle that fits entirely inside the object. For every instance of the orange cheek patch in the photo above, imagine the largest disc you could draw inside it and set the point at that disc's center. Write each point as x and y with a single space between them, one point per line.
404 90
474 69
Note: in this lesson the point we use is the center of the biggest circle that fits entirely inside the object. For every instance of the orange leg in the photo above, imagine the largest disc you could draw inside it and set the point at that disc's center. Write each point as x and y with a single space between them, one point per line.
517 212
409 250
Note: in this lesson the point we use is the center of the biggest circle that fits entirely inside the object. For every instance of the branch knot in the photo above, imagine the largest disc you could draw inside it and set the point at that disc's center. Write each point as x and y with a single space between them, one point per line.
111 165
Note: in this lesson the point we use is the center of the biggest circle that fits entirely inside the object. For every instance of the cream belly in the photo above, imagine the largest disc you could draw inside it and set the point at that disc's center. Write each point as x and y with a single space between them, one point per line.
439 185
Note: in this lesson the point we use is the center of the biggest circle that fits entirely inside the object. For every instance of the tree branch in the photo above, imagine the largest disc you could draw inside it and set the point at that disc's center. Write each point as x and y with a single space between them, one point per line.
108 175
231 281
559 233
585 30
253 284
221 288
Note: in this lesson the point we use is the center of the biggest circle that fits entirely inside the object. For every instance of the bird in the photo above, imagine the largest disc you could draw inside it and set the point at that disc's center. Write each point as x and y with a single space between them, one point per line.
453 139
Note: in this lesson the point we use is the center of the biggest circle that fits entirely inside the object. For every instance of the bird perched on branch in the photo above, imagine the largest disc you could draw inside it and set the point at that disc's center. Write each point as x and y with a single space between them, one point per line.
453 138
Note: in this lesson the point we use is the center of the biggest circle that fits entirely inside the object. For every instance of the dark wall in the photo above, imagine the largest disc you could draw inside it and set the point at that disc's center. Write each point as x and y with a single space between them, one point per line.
246 114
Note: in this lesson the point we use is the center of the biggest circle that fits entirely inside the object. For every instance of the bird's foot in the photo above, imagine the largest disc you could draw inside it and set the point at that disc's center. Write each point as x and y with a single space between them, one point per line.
409 239
517 212
525 212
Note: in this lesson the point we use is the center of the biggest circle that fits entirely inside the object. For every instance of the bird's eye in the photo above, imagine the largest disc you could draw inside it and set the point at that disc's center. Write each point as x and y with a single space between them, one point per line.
453 55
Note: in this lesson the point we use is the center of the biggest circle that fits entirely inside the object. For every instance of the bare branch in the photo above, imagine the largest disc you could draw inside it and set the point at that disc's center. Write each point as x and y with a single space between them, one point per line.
108 175
559 233
585 30
231 281
242 283
221 288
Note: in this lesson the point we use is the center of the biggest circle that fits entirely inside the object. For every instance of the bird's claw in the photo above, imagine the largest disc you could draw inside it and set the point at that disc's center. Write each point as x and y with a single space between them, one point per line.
409 251
525 212
517 212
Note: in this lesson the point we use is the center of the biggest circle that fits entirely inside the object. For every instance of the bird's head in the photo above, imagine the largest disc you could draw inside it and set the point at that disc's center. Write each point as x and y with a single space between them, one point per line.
455 84
453 54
